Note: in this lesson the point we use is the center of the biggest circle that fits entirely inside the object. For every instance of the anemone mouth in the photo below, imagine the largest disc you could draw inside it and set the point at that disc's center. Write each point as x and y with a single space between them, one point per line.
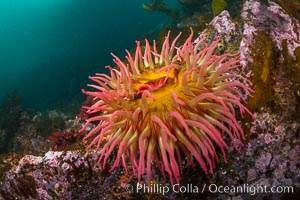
155 85
155 82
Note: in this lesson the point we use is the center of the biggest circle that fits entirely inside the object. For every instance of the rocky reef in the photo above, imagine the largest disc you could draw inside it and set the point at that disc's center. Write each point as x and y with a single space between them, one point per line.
267 34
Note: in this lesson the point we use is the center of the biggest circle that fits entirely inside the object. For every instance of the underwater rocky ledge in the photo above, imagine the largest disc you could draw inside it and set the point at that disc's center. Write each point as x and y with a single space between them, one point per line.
267 34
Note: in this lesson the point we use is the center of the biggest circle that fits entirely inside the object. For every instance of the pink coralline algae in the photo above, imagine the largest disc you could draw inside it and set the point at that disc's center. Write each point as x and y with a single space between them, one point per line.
56 175
223 24
272 20
267 163
263 162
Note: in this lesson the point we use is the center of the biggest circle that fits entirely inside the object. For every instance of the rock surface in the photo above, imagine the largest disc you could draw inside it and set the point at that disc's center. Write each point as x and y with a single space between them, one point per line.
268 39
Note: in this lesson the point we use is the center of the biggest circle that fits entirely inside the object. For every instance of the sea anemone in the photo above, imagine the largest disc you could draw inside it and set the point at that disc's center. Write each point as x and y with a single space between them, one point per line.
156 109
